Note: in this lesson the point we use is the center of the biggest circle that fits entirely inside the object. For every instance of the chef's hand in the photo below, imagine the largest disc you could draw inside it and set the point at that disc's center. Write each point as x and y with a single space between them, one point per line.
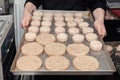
27 16
26 20
100 27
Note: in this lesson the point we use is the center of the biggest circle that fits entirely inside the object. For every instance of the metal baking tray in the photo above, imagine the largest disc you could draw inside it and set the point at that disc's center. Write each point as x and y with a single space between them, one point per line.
106 66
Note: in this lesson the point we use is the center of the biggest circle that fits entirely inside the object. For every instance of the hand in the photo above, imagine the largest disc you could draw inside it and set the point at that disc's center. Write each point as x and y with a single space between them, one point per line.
26 20
100 27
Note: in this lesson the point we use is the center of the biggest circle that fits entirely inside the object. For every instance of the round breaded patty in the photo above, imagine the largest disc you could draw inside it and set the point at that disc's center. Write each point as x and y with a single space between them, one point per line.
30 36
32 48
77 49
36 17
62 37
59 30
85 63
79 14
109 48
45 30
71 24
83 25
33 29
35 23
47 18
45 38
91 36
73 31
87 30
37 13
55 49
96 45
59 19
46 23
78 38
57 63
118 47
29 63
60 24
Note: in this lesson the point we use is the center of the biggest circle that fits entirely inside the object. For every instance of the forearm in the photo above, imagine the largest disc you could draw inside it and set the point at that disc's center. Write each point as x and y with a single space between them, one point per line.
99 14
29 8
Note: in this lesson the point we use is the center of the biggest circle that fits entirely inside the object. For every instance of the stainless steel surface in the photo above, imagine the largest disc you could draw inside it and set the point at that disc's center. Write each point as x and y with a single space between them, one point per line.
113 3
2 24
5 24
1 76
4 6
106 66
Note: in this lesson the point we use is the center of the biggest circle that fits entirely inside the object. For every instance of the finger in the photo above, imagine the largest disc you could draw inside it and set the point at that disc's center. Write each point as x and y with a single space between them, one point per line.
101 32
23 25
102 36
104 32
100 29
